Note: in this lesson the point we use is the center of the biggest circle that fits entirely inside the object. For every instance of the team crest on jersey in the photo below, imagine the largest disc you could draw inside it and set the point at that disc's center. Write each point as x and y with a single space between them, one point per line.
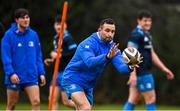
148 42
31 44
146 39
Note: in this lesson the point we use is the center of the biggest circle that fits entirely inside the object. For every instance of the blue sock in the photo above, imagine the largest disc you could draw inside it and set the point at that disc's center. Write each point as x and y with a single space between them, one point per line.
128 106
151 107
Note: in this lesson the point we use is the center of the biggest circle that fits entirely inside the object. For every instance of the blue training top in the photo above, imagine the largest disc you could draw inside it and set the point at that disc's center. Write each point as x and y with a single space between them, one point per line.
143 42
90 60
21 54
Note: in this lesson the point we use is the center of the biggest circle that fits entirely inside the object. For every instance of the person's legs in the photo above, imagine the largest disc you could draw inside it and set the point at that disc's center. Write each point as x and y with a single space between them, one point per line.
66 101
12 99
89 95
80 100
150 99
34 96
146 87
56 97
78 95
133 99
59 91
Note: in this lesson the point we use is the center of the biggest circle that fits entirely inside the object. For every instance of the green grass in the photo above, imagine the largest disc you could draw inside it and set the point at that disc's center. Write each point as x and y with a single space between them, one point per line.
21 106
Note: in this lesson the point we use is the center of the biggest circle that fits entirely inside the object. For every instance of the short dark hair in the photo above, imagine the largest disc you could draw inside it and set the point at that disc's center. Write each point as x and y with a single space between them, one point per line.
144 13
107 21
57 18
21 12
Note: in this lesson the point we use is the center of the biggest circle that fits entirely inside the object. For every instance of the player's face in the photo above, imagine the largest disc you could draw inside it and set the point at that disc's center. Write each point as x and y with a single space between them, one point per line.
23 22
145 23
57 27
106 32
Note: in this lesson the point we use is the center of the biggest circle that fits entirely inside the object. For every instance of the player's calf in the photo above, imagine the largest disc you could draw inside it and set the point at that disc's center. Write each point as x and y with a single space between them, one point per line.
11 106
84 106
12 99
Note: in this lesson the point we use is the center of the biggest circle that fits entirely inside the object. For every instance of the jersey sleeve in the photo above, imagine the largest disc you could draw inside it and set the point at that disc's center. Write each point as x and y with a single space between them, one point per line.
70 42
120 65
6 55
135 39
87 53
70 45
40 64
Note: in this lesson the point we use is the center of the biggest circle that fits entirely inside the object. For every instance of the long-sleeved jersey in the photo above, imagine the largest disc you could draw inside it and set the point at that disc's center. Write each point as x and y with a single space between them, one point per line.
21 54
90 60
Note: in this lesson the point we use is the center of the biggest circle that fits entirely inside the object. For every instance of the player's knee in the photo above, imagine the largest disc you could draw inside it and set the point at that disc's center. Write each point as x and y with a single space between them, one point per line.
66 102
153 99
150 99
55 101
134 100
36 102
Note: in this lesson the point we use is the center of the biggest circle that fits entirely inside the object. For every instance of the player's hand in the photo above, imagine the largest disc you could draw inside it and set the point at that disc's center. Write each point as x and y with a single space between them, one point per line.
113 51
132 79
42 80
48 61
54 54
139 60
14 79
169 74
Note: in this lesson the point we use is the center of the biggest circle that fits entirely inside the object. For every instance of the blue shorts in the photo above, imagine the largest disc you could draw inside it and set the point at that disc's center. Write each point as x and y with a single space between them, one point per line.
71 87
58 81
145 83
19 87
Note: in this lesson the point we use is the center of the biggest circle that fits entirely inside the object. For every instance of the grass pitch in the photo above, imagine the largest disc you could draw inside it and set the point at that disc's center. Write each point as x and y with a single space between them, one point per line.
22 106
